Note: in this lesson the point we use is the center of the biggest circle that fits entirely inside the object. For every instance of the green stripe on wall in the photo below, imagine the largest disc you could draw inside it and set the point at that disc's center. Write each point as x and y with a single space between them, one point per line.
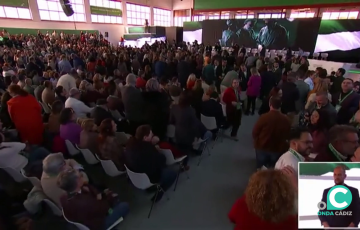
192 26
336 26
316 169
105 11
226 4
15 3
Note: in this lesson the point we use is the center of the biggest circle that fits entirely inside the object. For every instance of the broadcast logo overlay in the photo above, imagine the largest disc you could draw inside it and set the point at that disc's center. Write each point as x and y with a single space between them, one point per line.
338 198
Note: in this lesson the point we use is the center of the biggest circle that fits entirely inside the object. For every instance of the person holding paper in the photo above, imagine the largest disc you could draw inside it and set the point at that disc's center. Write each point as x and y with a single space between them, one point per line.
233 106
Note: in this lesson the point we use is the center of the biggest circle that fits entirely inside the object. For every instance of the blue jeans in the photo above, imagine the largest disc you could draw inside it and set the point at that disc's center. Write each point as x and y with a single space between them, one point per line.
120 210
168 177
265 158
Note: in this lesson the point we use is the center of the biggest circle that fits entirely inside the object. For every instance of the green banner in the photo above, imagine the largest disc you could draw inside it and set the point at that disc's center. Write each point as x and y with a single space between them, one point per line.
228 4
105 11
317 169
15 3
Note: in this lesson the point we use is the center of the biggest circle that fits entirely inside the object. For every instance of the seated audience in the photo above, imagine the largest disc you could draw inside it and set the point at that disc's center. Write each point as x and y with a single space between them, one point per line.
89 135
52 166
101 112
53 125
29 87
88 94
188 128
213 108
141 156
83 204
110 147
4 111
48 95
80 109
25 112
69 129
67 81
269 196
61 94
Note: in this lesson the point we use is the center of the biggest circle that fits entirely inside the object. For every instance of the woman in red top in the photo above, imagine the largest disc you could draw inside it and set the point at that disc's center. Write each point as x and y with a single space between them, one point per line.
233 103
267 203
25 112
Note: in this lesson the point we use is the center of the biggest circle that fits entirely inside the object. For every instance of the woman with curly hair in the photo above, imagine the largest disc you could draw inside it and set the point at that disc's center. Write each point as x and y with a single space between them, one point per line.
268 198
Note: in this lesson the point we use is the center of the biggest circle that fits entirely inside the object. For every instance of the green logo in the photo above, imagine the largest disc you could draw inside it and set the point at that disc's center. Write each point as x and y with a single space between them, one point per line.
339 197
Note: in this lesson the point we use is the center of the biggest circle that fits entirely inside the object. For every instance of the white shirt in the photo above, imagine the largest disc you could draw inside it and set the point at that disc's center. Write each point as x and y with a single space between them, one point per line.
10 157
67 81
310 82
79 107
288 159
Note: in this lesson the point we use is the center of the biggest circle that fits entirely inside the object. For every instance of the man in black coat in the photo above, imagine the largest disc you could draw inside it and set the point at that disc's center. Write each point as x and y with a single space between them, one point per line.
268 81
352 210
212 108
183 71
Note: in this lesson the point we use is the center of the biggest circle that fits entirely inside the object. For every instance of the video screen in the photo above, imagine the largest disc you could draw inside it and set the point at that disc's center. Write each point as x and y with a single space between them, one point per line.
269 33
315 179
340 39
192 31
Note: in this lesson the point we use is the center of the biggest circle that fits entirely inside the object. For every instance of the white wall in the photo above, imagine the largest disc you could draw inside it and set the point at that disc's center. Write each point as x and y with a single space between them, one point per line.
115 30
182 5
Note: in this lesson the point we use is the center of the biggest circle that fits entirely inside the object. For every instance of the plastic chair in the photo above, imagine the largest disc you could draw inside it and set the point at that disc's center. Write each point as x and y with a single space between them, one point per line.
170 160
71 149
109 167
54 208
88 155
34 180
209 122
142 181
16 175
83 227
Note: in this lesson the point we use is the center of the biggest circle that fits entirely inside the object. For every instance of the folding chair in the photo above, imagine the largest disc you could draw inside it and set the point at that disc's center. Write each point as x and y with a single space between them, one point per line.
71 149
170 160
109 167
83 227
34 180
16 175
142 181
210 124
88 155
54 208
205 147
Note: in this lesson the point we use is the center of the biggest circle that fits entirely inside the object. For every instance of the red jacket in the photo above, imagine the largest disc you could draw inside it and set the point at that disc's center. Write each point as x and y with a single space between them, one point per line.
25 112
228 97
244 220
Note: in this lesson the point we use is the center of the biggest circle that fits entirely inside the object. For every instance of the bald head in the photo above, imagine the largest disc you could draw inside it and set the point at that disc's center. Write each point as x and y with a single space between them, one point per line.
339 174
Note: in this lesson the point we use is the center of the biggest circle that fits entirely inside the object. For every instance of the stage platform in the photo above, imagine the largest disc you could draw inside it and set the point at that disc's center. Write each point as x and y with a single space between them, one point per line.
351 70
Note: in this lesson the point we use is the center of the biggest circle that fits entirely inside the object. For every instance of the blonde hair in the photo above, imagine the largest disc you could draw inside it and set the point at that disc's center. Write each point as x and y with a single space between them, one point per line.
192 77
270 195
152 85
320 86
87 124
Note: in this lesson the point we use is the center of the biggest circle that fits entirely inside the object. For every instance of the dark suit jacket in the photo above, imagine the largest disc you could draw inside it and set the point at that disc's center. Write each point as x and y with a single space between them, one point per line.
183 72
344 221
348 107
220 70
212 108
99 114
133 103
84 208
143 157
268 81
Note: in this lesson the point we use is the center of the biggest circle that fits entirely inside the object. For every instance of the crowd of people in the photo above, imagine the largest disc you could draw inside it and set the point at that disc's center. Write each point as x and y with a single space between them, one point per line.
119 102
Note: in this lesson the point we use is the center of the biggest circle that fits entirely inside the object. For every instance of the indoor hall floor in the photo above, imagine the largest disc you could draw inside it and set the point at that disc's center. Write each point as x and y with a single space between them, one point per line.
201 202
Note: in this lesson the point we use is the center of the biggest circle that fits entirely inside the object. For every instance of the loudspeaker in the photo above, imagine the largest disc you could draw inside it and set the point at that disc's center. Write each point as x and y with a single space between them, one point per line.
66 6
106 34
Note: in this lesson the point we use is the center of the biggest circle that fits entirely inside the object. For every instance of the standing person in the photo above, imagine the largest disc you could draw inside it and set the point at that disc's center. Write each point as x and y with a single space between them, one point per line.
221 72
336 81
233 103
346 102
343 142
351 221
290 96
301 144
268 81
303 92
270 135
253 91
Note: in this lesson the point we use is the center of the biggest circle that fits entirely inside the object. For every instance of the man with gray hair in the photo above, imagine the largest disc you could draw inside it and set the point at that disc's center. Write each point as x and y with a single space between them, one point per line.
83 205
80 109
343 141
53 164
133 103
